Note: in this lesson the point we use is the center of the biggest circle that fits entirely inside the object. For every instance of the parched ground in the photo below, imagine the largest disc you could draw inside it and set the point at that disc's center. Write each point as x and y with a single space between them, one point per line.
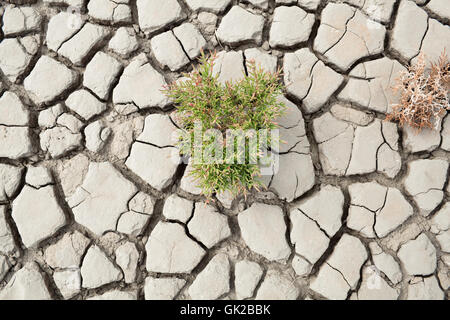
92 207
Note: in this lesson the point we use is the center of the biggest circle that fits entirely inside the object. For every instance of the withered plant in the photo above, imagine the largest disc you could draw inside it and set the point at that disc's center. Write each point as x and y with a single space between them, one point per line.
424 94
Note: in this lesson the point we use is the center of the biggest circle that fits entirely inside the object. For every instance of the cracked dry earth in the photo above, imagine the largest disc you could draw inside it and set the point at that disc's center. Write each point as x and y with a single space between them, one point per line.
91 207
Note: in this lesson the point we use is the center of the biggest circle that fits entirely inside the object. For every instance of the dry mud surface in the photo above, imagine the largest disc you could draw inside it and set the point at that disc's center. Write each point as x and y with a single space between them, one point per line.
91 207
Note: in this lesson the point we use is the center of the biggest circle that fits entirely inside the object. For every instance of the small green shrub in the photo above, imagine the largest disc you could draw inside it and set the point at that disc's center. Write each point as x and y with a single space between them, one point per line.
250 103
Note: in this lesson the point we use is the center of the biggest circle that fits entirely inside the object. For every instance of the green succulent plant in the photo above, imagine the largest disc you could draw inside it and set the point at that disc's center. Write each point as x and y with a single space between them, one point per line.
247 106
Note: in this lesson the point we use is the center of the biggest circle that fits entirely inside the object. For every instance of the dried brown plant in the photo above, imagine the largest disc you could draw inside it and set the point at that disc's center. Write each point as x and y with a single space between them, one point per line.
424 94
